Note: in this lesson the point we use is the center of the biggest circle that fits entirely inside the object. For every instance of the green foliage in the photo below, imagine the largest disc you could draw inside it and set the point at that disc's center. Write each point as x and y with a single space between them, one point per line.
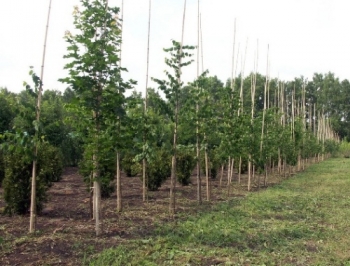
244 165
130 166
214 162
18 173
185 162
72 149
50 161
7 110
172 86
106 168
158 168
331 147
2 167
95 77
16 184
344 149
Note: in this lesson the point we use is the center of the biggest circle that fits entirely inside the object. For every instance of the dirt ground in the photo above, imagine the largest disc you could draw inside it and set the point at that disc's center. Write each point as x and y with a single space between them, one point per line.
66 233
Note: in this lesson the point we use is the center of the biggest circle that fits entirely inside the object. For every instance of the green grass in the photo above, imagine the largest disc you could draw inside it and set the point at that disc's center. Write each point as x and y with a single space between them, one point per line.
302 221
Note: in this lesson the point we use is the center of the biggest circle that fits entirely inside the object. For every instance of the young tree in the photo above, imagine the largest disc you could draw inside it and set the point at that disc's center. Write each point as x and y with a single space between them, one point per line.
172 88
95 76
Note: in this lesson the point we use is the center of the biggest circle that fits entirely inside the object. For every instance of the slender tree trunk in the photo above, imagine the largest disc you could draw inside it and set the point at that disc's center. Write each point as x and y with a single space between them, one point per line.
228 171
228 176
221 174
32 221
91 197
231 172
119 185
172 186
249 173
207 174
97 195
239 170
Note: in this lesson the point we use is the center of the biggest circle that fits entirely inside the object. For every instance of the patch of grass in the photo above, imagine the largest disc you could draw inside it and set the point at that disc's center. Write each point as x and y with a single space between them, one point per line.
302 221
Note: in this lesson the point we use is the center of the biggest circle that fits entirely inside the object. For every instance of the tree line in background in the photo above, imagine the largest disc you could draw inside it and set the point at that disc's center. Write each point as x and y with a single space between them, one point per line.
252 123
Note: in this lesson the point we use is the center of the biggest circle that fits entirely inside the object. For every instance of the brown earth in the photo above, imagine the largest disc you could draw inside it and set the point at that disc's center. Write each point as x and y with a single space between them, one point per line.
65 232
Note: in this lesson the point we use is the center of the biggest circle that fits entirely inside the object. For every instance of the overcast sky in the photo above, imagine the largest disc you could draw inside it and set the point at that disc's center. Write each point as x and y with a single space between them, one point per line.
304 36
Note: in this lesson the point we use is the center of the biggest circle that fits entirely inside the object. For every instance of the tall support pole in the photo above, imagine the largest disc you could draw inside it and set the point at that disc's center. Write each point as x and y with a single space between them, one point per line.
173 160
32 219
144 163
199 183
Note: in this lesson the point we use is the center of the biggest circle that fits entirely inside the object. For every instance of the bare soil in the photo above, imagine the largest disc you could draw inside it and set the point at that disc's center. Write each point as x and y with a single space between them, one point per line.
66 233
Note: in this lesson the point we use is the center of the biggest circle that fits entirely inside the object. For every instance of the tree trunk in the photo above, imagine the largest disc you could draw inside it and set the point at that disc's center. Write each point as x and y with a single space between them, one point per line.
97 201
91 201
119 186
239 170
228 171
221 174
207 174
172 186
97 196
32 220
249 172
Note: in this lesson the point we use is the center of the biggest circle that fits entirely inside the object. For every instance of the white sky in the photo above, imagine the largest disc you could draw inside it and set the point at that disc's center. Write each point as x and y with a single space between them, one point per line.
305 36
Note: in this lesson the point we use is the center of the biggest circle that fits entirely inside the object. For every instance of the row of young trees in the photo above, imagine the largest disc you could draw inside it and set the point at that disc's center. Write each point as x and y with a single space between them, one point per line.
252 123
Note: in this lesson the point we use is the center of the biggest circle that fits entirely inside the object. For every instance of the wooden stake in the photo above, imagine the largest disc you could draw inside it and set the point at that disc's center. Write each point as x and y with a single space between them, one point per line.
173 161
144 162
32 219
199 182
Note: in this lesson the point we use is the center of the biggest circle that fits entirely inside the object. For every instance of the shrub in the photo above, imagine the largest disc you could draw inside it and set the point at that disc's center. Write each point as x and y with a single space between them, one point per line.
50 160
158 169
72 150
17 181
2 168
130 167
185 162
344 149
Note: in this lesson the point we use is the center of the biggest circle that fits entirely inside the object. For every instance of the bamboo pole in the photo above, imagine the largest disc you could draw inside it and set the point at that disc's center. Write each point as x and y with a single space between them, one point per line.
172 205
32 219
242 78
207 173
144 162
201 46
199 182
118 176
233 58
119 186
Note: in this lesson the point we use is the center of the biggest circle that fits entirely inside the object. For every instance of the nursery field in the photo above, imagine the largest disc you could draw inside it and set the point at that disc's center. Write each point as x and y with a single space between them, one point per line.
301 221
